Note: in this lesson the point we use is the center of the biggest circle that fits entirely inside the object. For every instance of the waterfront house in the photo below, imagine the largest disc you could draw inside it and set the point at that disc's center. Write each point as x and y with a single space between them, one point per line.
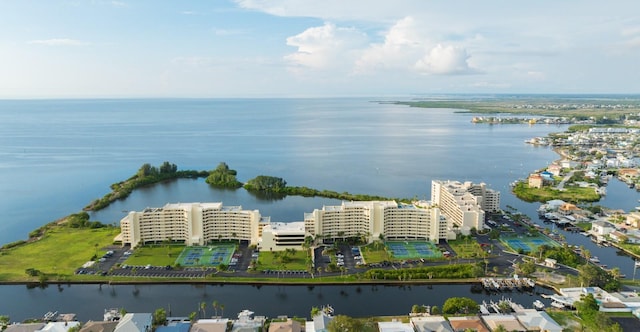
58 326
509 322
535 181
547 177
27 327
135 322
633 219
174 326
534 320
287 326
554 169
568 209
565 163
210 325
554 204
100 326
431 323
320 321
628 174
602 228
618 237
394 327
467 323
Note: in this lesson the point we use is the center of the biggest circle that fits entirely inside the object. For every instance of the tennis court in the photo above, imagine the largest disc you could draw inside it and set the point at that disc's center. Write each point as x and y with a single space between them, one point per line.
213 255
528 244
412 249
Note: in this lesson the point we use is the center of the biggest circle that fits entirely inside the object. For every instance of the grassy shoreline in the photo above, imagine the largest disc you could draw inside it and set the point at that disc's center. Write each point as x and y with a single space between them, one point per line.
554 107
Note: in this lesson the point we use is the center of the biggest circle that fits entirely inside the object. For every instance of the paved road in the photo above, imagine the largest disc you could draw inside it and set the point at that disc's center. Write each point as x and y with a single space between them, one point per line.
565 179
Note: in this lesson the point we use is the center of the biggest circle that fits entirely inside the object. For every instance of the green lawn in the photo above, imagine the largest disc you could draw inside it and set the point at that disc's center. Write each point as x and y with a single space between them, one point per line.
467 248
268 261
374 253
569 194
156 255
61 251
584 226
566 319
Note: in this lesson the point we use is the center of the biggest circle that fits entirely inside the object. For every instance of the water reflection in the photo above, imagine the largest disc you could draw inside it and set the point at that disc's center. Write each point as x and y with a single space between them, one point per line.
89 301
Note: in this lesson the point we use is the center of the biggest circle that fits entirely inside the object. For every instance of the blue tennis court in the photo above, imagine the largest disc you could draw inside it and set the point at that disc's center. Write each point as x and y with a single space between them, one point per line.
213 255
528 244
412 249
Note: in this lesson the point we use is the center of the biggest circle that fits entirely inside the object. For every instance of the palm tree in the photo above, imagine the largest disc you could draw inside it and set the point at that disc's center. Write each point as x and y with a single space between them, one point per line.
315 311
203 309
215 307
221 310
192 317
615 272
500 328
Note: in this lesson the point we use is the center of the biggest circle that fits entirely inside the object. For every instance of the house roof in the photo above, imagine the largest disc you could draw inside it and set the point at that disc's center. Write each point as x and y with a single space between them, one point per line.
538 320
431 323
175 327
210 325
99 326
394 327
471 322
31 327
602 223
288 326
135 322
509 322
58 326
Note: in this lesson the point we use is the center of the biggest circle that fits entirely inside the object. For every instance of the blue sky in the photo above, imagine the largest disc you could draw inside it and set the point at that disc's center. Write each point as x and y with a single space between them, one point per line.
308 48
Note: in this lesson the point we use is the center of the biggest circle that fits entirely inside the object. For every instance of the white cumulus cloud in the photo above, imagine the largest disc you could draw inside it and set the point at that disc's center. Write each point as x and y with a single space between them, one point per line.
445 60
58 42
326 46
402 45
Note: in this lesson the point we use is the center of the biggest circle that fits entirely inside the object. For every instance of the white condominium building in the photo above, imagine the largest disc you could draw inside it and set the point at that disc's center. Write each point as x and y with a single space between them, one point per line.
464 204
200 223
371 219
191 223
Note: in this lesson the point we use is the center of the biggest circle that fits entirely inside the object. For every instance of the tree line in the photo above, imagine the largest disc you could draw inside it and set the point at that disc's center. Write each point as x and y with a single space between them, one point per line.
145 176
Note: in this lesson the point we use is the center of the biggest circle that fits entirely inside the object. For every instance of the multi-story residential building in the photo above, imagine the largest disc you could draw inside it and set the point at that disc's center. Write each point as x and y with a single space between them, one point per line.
464 204
200 223
191 223
371 219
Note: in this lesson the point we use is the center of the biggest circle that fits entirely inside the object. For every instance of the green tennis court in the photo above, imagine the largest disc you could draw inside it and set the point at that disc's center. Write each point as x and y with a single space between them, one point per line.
528 244
412 249
212 255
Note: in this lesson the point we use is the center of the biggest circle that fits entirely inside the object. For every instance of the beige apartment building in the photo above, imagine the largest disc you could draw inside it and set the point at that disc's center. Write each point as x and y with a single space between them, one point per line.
191 223
454 207
200 223
464 204
370 219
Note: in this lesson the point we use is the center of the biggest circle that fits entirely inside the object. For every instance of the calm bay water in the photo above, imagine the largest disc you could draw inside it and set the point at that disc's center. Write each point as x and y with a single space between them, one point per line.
57 156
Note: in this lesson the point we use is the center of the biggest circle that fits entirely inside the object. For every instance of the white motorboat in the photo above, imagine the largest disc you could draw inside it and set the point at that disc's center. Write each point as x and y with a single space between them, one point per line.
538 305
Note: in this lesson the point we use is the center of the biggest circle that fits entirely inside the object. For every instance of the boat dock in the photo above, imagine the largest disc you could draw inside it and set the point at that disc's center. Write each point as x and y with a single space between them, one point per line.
500 307
507 284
